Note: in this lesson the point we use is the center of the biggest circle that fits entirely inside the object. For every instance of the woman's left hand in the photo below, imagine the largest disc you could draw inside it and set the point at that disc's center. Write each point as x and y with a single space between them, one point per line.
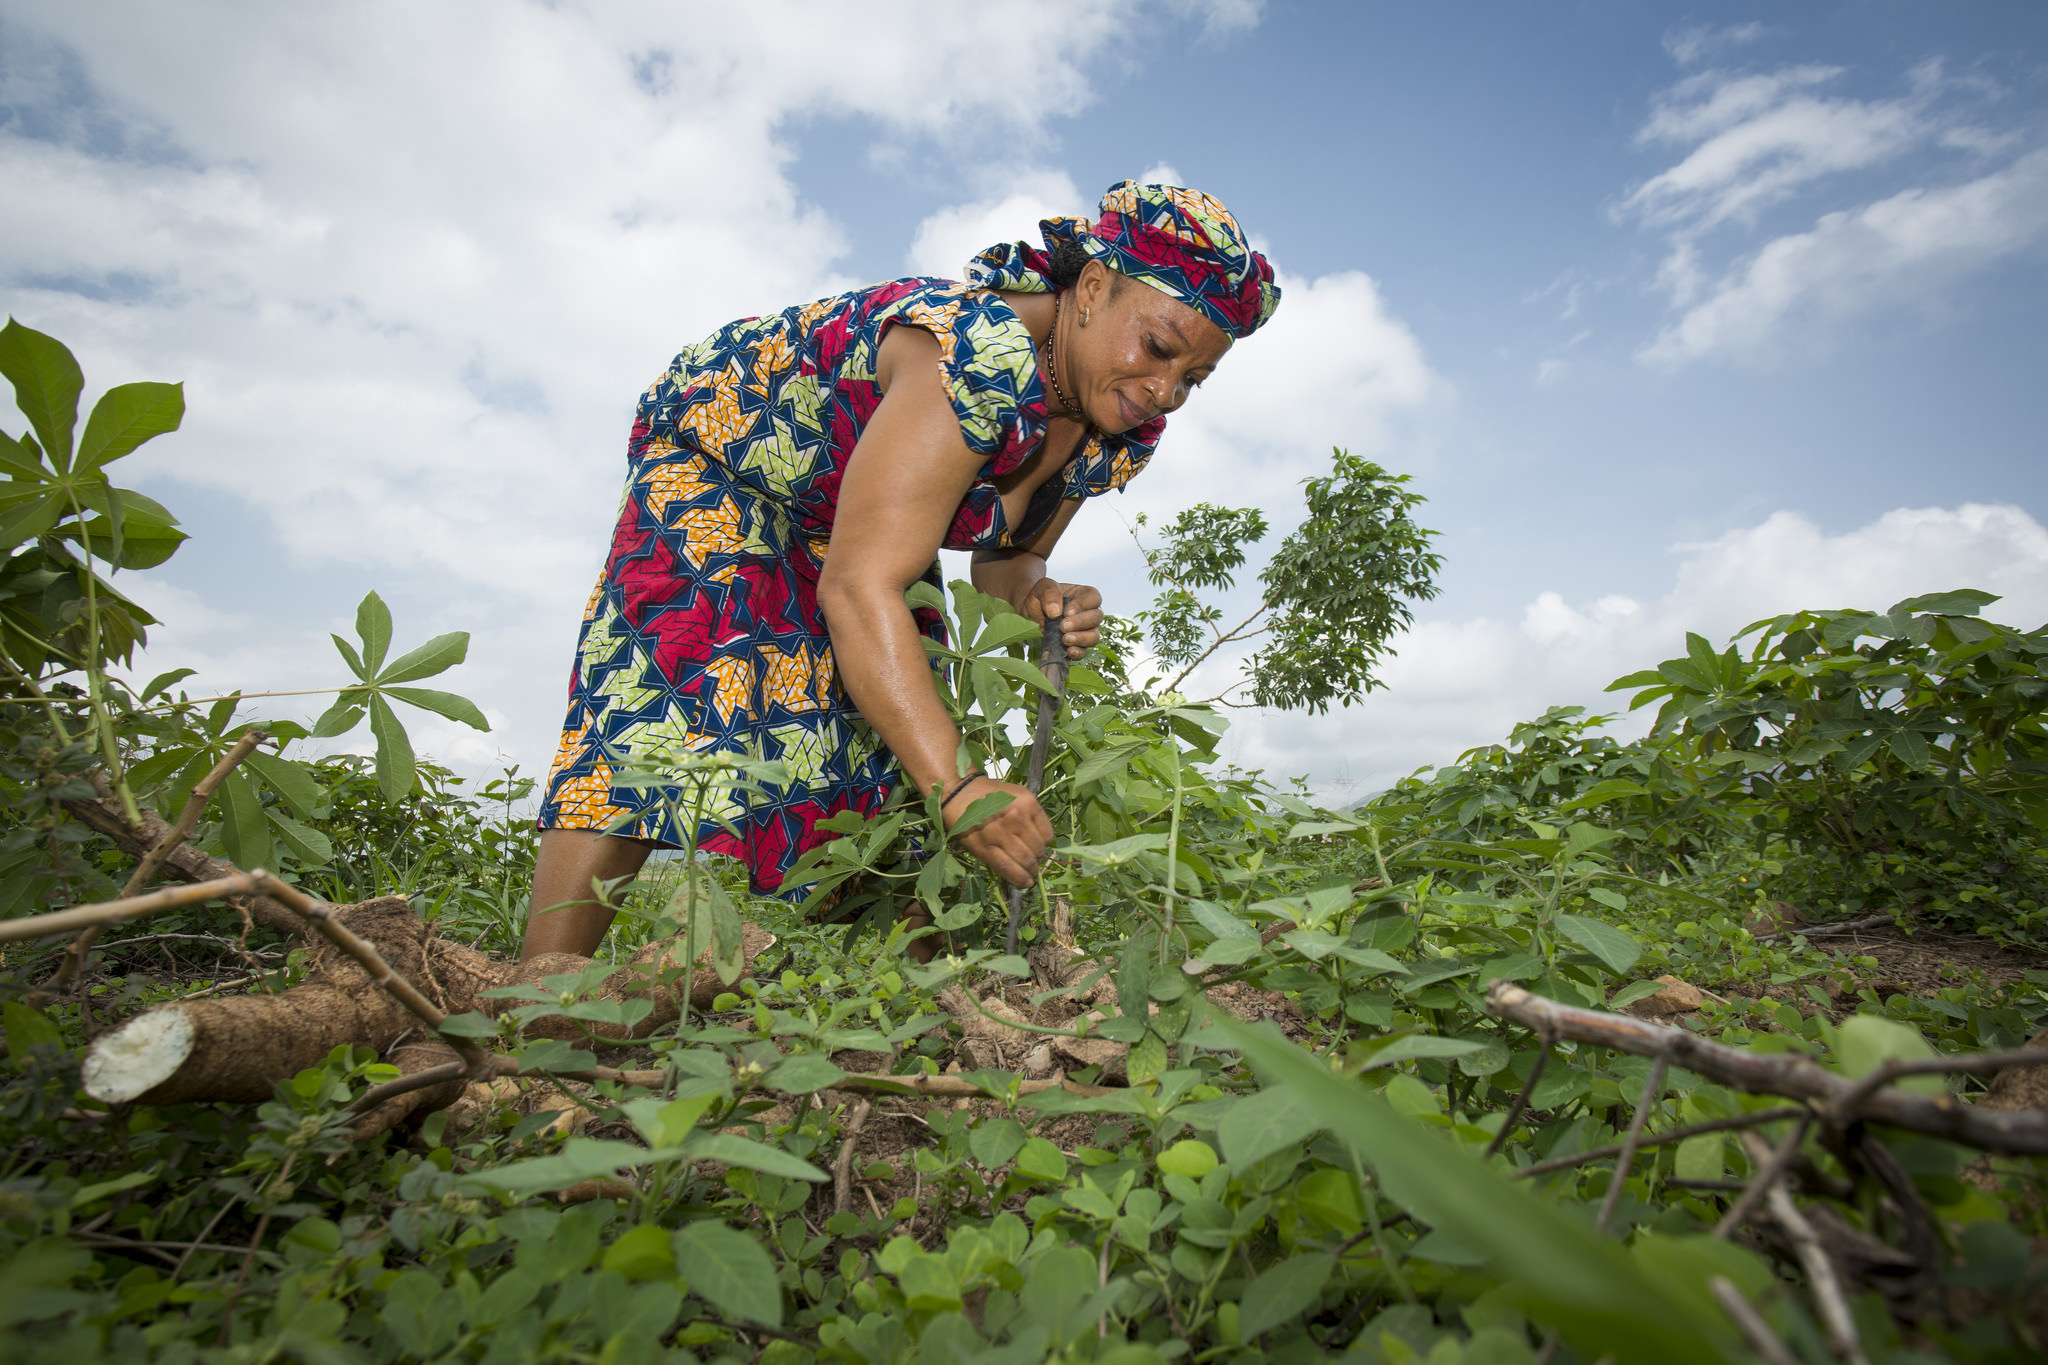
1081 619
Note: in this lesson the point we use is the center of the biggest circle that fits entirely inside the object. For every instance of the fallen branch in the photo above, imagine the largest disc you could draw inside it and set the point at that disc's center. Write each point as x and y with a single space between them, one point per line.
1762 1339
1659 1139
1768 1169
1828 1299
180 860
1849 926
2016 1132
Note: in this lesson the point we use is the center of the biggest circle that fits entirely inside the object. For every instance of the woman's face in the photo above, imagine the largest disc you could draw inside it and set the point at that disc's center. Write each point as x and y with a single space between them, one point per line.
1139 354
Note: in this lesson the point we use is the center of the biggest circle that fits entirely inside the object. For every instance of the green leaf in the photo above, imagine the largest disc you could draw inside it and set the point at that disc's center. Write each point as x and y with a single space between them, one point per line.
1595 1292
46 381
27 1027
1117 851
244 830
30 518
125 417
1109 759
1039 1160
1282 1292
394 751
437 655
668 1125
307 844
292 781
995 1141
1412 1046
1962 602
1704 1156
373 627
642 1253
1190 1157
1864 1042
339 718
1615 947
1254 1130
734 1150
441 704
803 1074
729 1271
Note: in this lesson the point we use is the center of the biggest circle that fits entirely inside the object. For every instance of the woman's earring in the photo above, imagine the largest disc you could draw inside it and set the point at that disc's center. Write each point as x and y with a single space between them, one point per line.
1084 317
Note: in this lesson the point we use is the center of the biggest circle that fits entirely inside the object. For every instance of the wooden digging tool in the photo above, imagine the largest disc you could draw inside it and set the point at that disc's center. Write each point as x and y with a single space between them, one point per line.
1052 662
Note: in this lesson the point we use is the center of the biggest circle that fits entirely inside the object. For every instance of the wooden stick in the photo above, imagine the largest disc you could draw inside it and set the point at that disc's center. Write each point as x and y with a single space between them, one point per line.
1653 1091
842 1164
1768 1168
405 1085
110 912
1507 1125
1845 927
1762 1339
1659 1139
1828 1299
2018 1132
1975 1063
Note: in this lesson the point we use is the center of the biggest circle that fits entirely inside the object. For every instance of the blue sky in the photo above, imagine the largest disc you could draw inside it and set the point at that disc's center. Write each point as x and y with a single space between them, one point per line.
1680 315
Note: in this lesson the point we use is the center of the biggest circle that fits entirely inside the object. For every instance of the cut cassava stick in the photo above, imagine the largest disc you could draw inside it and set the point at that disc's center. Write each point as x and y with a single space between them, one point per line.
103 913
2018 1132
1821 1275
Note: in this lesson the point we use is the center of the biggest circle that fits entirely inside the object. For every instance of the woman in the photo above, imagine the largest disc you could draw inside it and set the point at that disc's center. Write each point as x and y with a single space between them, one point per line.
792 475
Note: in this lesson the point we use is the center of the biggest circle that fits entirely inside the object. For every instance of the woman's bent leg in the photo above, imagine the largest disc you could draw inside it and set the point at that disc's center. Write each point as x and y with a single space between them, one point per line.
561 917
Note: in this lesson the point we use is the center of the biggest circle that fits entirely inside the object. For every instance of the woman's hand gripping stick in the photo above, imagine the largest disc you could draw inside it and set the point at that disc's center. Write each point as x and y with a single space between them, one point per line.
1052 662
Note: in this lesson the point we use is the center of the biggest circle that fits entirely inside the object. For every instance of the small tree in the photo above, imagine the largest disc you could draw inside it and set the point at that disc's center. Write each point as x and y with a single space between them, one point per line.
1337 590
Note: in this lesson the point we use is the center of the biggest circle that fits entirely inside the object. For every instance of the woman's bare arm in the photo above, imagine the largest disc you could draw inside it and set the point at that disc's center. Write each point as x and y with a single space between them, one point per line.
902 486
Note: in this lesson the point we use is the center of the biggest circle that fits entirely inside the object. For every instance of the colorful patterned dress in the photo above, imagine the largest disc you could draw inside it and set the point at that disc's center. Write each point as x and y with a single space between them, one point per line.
704 631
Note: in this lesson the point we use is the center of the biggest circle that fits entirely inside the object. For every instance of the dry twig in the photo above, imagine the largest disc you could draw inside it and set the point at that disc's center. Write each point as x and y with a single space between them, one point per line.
1659 1139
1768 1167
1653 1090
1507 1125
1828 1299
110 912
2017 1132
842 1163
1762 1339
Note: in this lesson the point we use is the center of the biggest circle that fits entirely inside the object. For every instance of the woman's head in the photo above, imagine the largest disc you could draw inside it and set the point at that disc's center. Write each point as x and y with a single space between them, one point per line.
1141 350
1130 354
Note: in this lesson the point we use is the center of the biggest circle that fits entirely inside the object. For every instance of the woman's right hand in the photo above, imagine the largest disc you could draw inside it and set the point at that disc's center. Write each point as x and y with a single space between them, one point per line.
1013 841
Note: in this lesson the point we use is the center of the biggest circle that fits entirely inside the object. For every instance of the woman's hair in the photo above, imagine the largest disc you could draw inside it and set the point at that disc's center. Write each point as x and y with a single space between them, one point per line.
1065 262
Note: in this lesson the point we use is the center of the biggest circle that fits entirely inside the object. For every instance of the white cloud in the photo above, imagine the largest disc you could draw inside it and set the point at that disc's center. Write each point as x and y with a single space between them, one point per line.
1689 44
1457 683
1897 250
1761 137
1757 141
948 238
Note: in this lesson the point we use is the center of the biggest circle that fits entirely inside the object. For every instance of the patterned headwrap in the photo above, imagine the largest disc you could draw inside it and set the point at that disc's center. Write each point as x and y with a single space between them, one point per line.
1181 242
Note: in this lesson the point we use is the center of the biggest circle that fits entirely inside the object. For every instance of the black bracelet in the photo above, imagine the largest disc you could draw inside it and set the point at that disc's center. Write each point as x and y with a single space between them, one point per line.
959 787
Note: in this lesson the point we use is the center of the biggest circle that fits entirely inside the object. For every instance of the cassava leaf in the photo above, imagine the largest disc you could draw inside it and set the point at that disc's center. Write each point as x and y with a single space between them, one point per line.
441 704
126 416
395 765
